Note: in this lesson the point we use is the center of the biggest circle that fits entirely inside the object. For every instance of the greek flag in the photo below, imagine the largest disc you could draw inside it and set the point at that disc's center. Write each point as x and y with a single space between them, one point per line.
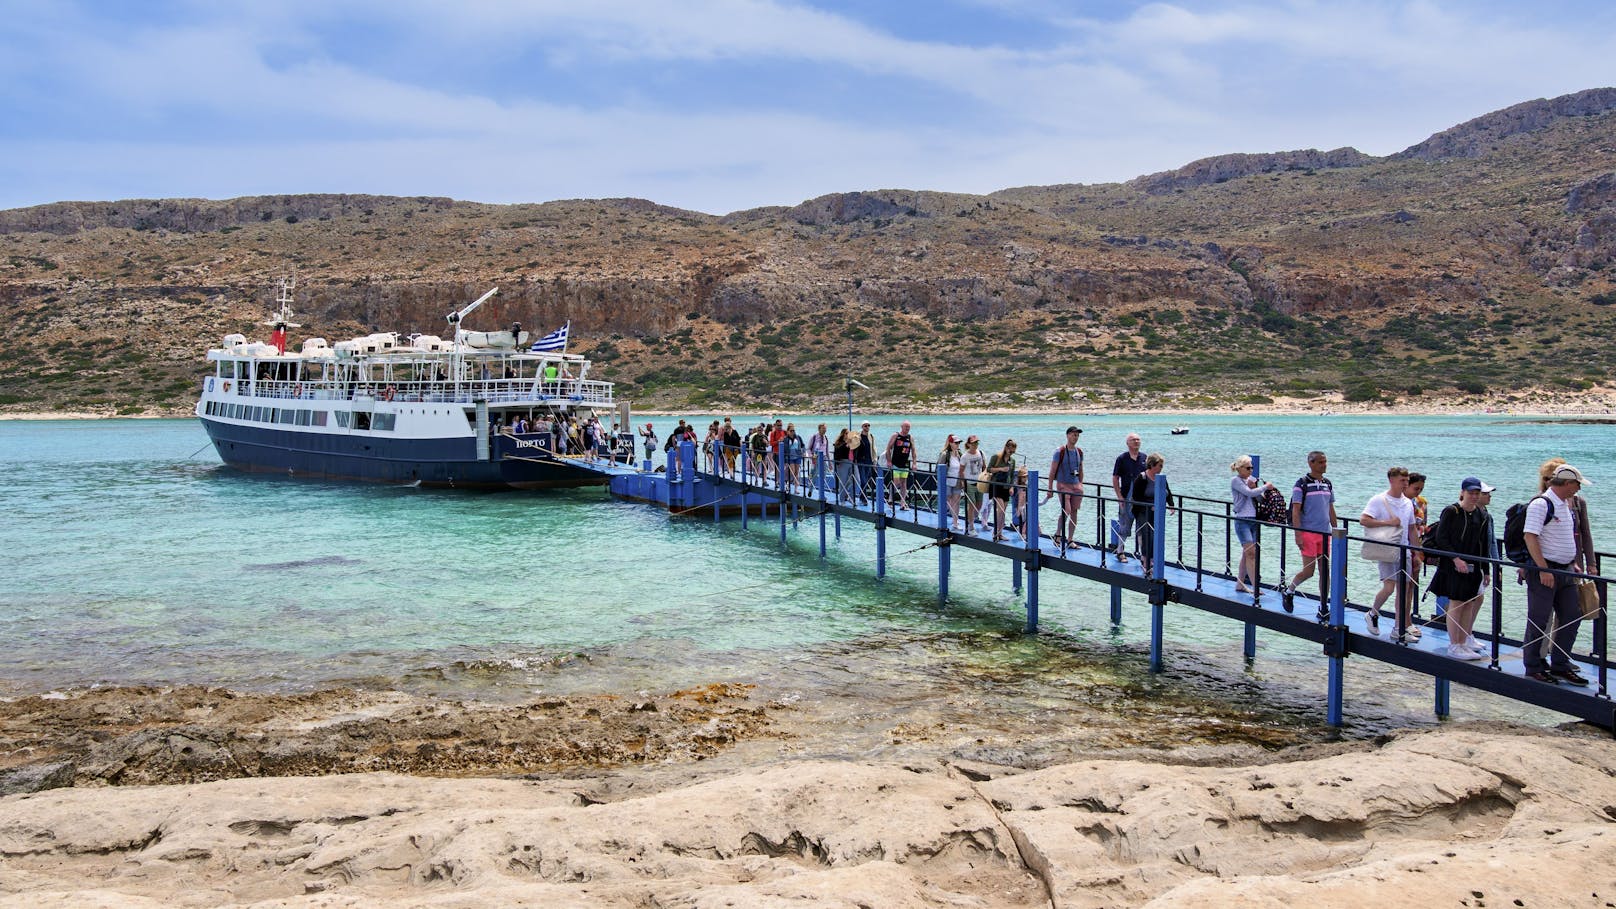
554 341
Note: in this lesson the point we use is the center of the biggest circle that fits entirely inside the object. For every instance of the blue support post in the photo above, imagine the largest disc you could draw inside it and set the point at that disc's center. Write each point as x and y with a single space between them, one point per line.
746 486
1442 698
1034 556
1116 606
1338 597
1015 575
1158 570
1250 647
944 535
671 471
819 481
718 459
687 472
880 524
780 483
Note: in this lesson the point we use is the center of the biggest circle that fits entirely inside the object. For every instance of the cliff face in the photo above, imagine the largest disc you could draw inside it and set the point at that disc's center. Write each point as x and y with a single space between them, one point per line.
1242 275
1224 168
1477 137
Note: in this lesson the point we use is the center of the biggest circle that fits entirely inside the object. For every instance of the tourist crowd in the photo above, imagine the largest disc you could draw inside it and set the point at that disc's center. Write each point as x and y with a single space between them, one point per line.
1452 556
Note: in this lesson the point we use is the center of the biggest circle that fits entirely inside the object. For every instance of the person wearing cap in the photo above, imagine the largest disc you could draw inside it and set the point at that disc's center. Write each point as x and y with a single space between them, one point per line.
1461 536
1556 536
1066 480
864 461
972 465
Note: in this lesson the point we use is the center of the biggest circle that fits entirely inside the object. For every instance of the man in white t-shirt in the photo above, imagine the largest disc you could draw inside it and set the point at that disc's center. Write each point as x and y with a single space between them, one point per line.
1391 509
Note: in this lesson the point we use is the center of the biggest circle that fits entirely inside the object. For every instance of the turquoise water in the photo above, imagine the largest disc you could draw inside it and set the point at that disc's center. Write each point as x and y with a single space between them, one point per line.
133 556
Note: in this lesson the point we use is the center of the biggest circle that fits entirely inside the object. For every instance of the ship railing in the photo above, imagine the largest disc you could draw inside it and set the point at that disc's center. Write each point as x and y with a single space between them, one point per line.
560 392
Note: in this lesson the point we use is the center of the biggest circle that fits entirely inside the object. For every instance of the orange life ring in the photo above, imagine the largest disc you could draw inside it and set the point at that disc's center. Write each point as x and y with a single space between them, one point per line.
227 386
388 394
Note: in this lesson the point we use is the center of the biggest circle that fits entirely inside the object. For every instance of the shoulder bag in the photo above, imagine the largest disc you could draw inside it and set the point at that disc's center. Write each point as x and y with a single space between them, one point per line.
1380 544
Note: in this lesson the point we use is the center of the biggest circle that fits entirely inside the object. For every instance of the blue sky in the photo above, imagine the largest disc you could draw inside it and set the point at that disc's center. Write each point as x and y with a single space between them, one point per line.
719 105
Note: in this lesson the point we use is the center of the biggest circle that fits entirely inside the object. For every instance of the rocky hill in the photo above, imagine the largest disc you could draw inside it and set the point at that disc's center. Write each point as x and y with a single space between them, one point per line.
1431 273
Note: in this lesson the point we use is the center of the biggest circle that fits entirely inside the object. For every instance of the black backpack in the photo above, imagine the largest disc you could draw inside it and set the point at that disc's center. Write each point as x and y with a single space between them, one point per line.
1272 508
1515 530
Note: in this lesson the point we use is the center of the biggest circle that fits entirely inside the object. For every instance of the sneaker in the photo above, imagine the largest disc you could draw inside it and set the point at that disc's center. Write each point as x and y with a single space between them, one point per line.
1413 632
1461 652
1323 616
1287 599
1540 675
1476 645
1569 674
1371 622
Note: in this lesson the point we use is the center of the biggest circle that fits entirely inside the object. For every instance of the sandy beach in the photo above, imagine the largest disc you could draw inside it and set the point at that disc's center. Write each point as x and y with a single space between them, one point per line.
707 797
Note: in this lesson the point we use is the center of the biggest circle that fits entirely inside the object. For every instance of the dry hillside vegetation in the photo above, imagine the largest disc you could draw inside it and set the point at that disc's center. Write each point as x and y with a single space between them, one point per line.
1432 273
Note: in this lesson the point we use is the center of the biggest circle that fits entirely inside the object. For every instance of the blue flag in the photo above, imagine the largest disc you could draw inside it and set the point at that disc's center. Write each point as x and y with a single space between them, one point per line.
553 342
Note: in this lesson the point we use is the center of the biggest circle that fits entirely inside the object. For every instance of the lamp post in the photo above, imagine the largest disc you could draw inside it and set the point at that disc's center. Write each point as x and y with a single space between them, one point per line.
850 383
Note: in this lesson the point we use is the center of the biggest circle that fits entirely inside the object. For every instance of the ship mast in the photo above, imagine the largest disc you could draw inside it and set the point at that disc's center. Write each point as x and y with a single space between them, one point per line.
454 320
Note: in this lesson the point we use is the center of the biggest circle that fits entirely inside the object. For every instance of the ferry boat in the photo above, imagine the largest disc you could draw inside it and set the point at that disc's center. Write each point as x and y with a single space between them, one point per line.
420 409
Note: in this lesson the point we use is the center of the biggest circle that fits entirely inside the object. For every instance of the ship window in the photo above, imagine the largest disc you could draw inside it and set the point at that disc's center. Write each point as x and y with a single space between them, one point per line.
383 422
319 418
361 420
235 411
302 418
342 418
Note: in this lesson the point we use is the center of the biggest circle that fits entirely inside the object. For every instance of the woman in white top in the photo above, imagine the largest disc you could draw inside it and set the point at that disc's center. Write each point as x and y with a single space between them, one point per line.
972 463
1244 491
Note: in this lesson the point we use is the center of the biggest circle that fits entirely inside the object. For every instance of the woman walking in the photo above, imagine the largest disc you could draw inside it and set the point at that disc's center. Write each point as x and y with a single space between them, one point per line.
972 464
842 452
1244 491
1462 530
953 463
1143 500
1002 467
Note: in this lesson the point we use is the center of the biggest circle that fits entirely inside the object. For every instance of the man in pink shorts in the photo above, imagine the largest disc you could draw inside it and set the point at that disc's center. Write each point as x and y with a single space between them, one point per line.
1313 516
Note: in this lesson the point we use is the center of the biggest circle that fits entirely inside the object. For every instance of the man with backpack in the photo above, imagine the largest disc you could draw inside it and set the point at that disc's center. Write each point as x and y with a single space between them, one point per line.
1554 537
1313 516
1066 480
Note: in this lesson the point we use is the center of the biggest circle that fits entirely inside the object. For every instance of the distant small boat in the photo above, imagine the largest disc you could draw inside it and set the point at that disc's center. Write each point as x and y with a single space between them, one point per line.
1181 430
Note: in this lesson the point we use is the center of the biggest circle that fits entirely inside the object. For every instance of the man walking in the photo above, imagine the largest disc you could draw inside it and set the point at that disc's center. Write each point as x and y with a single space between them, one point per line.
1066 480
1313 516
900 455
1554 539
864 461
1129 465
1390 509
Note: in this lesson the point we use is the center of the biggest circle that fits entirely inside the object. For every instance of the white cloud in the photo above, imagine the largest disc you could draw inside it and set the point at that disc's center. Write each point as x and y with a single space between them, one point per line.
1098 100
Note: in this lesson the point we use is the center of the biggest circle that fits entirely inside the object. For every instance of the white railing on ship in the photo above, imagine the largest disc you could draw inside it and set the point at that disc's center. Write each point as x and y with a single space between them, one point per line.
494 391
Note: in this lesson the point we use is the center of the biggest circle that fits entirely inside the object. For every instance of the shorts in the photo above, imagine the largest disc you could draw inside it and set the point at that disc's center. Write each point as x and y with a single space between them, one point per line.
1388 570
1071 495
900 473
1245 530
1311 543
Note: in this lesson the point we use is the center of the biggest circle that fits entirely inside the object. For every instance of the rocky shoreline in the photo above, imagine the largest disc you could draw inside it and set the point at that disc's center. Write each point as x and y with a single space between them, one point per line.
713 796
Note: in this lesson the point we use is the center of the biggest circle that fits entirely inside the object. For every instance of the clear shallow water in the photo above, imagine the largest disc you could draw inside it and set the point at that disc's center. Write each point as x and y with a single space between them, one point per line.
133 557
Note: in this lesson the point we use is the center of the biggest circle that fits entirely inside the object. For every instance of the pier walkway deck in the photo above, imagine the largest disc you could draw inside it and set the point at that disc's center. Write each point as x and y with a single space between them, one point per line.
1193 572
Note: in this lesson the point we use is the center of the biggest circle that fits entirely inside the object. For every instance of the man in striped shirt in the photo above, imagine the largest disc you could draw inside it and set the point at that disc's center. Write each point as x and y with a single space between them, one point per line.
1313 516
